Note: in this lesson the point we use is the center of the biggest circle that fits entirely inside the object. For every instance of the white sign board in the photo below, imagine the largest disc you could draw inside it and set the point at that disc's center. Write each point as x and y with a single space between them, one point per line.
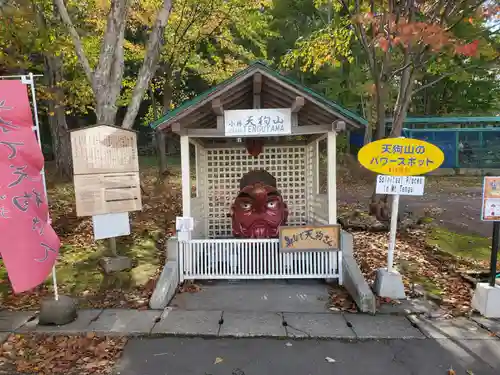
491 198
111 225
184 224
258 122
402 185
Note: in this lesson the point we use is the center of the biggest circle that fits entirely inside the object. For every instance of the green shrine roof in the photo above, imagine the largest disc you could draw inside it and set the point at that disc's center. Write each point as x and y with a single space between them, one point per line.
259 66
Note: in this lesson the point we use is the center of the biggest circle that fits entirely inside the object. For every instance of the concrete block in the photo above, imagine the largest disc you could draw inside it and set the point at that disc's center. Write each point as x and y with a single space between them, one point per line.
115 264
4 336
186 322
389 284
80 325
317 325
166 286
126 322
353 279
12 320
455 329
382 327
57 312
252 324
486 300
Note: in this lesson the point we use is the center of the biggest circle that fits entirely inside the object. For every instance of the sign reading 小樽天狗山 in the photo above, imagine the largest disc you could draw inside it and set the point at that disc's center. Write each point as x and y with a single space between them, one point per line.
310 238
258 122
401 157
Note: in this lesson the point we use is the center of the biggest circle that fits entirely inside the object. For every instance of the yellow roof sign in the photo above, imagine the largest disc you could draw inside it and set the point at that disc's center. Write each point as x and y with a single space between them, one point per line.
400 157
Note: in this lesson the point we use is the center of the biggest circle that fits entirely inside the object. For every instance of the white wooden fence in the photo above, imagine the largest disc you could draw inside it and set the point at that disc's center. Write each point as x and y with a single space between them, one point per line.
253 259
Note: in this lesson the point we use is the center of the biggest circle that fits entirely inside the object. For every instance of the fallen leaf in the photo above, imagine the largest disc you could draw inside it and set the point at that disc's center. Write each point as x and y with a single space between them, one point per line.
330 360
218 360
493 334
451 372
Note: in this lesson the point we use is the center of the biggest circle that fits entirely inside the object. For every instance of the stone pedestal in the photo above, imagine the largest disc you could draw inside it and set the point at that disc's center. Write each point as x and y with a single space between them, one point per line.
389 284
486 300
115 264
57 312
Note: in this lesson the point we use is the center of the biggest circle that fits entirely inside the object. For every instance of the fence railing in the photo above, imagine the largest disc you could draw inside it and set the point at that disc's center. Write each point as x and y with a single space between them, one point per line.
254 259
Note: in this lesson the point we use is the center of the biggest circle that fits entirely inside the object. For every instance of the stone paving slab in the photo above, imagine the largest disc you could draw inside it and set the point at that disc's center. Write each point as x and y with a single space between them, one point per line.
317 325
492 325
12 320
185 322
382 327
116 321
261 297
458 328
409 306
252 324
80 325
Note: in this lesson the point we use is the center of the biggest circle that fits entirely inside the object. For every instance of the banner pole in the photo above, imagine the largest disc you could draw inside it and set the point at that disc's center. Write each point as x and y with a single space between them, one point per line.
42 172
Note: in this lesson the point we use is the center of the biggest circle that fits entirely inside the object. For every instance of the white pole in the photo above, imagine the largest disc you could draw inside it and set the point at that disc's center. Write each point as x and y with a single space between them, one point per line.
37 133
392 235
331 142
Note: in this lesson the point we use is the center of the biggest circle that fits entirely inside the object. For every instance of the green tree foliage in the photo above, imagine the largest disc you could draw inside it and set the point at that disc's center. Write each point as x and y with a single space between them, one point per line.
405 48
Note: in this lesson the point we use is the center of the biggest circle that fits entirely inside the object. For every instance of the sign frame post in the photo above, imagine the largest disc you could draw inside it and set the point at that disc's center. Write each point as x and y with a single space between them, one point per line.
486 298
494 253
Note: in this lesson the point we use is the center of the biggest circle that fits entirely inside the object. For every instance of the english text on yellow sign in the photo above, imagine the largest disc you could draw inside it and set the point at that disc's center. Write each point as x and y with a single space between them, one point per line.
400 157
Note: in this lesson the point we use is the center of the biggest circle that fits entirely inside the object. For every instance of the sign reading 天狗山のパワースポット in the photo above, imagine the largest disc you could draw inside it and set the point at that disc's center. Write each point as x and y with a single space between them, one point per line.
400 157
258 122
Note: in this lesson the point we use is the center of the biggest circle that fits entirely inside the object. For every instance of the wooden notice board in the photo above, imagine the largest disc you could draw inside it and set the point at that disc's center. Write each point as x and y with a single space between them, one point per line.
106 170
310 238
104 149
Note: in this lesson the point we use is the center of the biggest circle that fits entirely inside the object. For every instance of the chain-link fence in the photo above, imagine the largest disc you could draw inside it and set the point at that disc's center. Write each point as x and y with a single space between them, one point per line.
463 147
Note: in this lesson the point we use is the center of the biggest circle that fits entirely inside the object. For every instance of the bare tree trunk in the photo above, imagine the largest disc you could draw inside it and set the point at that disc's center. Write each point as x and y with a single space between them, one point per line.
154 45
61 144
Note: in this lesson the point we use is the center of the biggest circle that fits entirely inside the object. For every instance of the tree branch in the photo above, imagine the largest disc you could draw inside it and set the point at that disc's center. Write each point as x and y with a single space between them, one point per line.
155 43
432 83
115 20
80 52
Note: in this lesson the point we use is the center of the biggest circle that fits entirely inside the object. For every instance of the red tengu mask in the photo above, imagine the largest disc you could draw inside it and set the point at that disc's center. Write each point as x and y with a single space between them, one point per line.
259 210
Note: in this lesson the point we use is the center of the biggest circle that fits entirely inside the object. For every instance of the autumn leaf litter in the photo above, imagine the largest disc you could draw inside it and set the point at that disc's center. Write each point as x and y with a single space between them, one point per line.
423 267
71 355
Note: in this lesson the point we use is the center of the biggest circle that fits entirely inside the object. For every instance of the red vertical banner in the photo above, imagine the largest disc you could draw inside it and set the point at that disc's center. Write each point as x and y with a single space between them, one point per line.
29 245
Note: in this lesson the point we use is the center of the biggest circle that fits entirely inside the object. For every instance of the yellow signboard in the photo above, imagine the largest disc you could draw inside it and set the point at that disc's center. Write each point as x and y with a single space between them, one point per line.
400 157
310 238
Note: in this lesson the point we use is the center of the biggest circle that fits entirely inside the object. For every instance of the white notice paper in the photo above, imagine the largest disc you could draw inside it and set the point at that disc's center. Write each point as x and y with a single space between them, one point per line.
184 224
111 225
402 185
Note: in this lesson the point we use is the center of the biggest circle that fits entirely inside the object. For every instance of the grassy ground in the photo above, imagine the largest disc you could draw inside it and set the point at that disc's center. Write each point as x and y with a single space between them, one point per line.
462 245
78 271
